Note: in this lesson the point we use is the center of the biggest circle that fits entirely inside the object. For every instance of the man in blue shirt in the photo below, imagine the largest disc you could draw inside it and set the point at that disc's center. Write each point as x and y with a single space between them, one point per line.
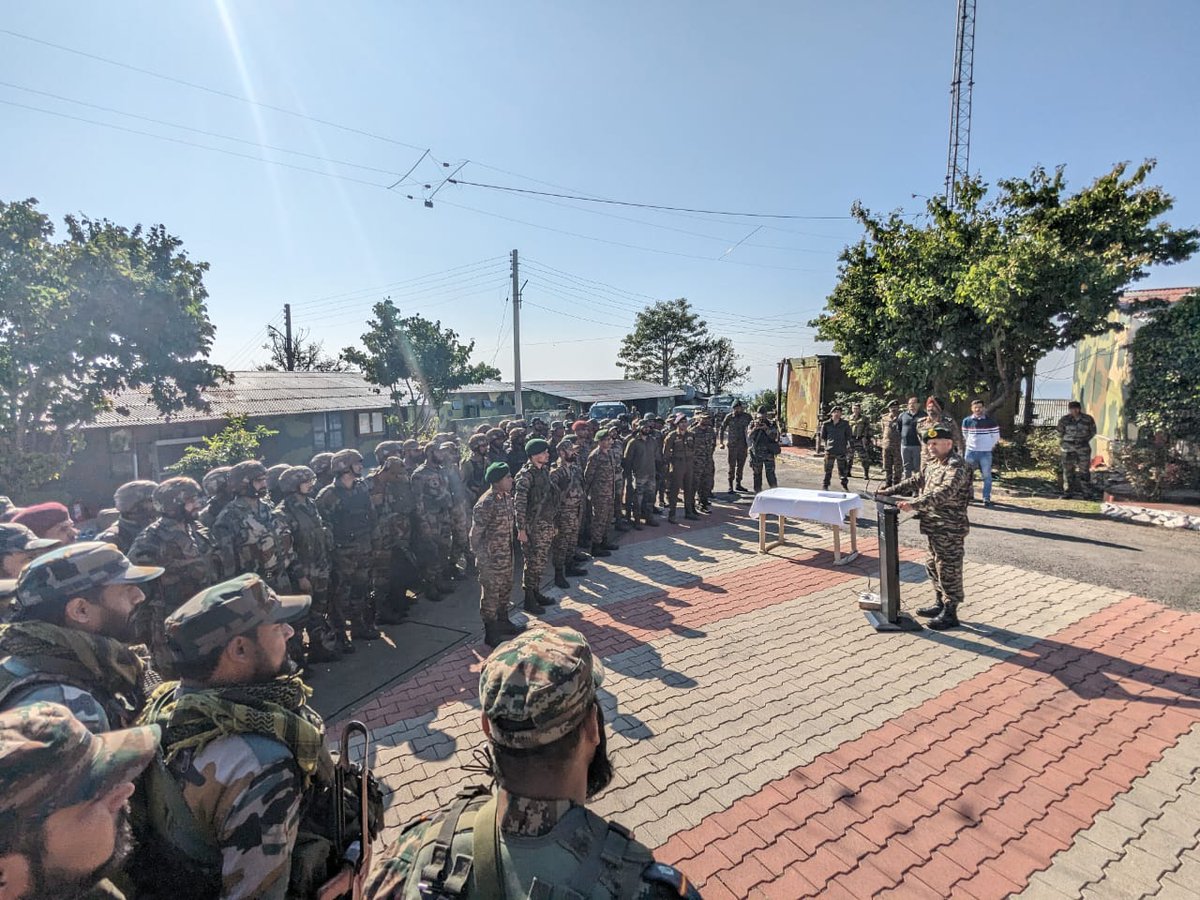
981 433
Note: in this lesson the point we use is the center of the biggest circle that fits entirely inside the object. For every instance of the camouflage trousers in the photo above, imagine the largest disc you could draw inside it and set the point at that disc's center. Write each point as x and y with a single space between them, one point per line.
643 499
495 590
736 455
757 464
1076 469
703 473
843 467
682 479
350 587
536 550
945 563
432 547
566 525
893 464
862 452
602 514
460 528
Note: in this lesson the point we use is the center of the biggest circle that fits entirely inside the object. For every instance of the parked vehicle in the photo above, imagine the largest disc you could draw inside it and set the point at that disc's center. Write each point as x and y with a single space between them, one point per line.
811 383
607 409
689 410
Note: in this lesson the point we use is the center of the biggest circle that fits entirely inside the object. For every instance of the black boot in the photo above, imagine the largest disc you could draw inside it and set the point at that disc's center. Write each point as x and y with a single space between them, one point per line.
492 635
531 604
509 628
543 599
845 484
598 551
651 521
742 489
560 577
671 517
574 569
947 618
579 556
610 546
928 612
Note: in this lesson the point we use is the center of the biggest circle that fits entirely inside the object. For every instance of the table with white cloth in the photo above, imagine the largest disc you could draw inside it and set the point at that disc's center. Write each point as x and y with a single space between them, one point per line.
828 507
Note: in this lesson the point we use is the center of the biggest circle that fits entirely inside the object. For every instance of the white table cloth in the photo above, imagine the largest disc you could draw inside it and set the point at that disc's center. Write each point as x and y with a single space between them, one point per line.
827 507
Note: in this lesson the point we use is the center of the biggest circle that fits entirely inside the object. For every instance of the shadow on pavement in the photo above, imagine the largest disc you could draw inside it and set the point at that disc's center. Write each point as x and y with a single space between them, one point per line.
1051 536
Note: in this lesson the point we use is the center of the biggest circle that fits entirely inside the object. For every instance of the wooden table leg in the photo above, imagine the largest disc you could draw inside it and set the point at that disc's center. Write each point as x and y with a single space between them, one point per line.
837 545
854 531
781 521
762 532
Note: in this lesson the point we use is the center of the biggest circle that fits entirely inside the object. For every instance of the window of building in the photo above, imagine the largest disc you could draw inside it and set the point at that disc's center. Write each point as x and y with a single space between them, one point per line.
327 432
370 423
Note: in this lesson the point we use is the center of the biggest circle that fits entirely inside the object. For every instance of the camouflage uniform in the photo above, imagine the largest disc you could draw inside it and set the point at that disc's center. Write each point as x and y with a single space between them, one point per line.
395 566
567 478
473 469
836 440
495 449
432 504
460 508
239 756
534 690
216 487
49 762
185 551
320 465
944 421
491 542
98 678
351 519
640 460
514 451
247 534
889 442
535 504
679 452
1075 440
763 440
583 452
312 556
133 501
735 425
598 477
860 442
704 466
944 491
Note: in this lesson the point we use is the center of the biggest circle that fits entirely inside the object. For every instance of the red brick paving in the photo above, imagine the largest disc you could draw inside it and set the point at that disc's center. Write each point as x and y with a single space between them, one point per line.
975 790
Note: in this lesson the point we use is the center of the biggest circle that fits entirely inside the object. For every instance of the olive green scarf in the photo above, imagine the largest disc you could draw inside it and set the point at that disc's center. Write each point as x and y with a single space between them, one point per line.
94 660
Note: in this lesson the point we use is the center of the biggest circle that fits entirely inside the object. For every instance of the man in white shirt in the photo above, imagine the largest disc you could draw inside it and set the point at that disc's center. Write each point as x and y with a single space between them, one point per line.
981 433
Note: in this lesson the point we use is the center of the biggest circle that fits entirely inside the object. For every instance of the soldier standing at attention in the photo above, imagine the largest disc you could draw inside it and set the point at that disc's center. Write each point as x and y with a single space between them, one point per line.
678 451
389 529
640 458
735 425
185 551
69 641
546 732
274 495
1075 432
474 467
514 450
889 442
660 463
860 439
134 500
248 536
495 447
312 559
320 464
240 744
535 504
943 489
582 429
835 440
763 440
567 477
491 542
345 506
598 478
431 520
216 488
460 510
703 464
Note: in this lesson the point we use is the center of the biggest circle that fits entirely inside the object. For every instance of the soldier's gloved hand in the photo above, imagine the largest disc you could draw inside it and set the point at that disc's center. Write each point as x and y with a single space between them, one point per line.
522 536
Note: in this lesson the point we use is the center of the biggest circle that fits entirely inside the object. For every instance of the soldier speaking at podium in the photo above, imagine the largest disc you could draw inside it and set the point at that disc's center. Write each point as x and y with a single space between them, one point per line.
943 489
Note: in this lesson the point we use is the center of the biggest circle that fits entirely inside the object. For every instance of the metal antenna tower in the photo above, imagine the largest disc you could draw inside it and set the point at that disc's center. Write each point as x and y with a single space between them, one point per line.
959 158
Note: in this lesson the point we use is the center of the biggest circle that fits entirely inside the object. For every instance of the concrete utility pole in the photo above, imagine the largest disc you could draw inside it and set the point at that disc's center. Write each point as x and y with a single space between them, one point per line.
289 351
518 400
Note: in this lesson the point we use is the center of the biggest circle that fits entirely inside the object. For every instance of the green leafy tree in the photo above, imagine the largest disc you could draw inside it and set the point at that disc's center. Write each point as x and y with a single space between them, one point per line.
1164 396
713 366
105 309
664 336
966 300
232 444
307 356
416 360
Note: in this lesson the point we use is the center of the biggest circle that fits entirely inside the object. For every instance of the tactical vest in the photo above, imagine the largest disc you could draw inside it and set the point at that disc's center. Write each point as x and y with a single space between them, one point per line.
350 520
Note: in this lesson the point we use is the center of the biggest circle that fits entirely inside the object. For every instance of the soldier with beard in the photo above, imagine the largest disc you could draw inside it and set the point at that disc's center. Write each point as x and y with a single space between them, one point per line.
514 450
248 536
495 448
312 559
345 506
567 477
216 488
64 803
240 745
546 732
69 641
178 543
640 456
134 501
474 467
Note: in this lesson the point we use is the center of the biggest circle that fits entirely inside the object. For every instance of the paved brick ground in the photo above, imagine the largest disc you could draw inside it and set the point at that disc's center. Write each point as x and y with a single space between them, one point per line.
771 744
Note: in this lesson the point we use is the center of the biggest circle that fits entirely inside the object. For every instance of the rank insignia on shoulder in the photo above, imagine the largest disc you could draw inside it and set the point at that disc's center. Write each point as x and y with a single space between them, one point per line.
661 873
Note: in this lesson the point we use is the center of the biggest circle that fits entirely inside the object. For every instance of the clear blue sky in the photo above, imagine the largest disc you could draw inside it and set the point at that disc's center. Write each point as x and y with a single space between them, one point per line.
780 107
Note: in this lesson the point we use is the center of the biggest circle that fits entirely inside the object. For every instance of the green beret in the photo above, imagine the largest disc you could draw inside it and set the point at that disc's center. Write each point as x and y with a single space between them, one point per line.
536 446
495 472
601 434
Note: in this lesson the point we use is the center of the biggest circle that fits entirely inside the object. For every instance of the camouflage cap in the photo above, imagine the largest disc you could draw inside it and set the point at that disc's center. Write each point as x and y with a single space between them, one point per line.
494 433
213 617
539 686
131 493
68 571
49 760
14 537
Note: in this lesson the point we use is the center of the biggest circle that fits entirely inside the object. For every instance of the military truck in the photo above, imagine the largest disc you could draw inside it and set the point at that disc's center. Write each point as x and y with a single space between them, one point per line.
812 382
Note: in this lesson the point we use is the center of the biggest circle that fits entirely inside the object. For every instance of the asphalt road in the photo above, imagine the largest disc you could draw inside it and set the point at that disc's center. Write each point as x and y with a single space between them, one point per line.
1162 564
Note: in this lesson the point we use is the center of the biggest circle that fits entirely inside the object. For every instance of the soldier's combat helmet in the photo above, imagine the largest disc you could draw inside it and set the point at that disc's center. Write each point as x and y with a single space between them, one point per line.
210 619
216 480
50 761
273 474
171 497
386 449
320 463
243 475
344 461
412 446
294 476
59 575
539 687
477 441
495 434
127 497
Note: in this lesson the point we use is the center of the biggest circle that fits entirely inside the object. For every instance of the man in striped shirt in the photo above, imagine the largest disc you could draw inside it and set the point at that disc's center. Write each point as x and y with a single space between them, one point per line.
981 433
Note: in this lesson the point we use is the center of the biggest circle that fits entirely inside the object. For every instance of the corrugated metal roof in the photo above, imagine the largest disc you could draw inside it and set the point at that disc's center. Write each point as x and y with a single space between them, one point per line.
581 391
254 394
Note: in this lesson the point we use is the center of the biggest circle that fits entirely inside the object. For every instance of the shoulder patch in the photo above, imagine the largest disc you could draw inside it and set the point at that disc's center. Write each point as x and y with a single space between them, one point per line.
661 873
